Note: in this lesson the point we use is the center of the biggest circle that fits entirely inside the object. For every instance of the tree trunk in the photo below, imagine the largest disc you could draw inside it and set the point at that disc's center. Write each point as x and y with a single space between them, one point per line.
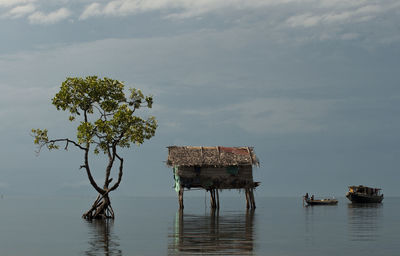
101 209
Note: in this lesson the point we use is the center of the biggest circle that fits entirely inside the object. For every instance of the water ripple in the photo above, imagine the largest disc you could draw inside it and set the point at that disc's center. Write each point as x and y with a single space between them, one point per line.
364 221
212 234
102 240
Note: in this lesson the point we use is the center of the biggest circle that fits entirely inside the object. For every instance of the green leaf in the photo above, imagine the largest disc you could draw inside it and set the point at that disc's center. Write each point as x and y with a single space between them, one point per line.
106 114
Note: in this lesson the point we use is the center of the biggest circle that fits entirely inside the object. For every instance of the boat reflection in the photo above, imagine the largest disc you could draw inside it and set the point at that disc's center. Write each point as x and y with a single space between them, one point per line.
228 234
102 240
364 221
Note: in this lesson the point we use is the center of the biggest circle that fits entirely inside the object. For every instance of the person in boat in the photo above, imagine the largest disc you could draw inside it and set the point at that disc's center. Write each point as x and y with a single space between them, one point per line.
312 198
306 196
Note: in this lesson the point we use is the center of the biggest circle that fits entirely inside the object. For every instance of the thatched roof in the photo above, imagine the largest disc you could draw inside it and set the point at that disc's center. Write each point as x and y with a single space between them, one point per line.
211 156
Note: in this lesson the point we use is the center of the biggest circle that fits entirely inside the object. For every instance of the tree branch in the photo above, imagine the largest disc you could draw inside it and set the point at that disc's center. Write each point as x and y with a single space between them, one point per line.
89 174
111 158
61 140
121 166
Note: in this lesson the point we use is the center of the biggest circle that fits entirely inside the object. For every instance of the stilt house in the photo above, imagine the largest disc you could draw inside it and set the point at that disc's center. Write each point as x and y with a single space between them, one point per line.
213 169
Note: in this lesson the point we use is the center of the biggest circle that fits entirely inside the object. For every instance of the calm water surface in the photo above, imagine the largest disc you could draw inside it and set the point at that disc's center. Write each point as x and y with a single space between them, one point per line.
154 226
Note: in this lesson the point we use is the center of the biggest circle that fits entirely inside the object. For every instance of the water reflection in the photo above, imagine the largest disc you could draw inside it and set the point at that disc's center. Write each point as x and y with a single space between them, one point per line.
364 221
317 218
102 240
212 234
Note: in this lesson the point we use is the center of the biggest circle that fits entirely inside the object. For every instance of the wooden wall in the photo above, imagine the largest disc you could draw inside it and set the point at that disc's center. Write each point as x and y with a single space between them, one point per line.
222 177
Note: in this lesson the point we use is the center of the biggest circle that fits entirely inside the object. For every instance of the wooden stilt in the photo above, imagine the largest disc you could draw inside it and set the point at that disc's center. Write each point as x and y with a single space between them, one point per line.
247 198
217 198
250 199
180 195
213 200
253 202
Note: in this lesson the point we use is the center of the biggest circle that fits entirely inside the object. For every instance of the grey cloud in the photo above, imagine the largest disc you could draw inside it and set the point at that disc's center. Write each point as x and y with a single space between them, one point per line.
241 79
267 115
9 3
360 14
4 185
178 9
30 105
49 18
20 11
181 9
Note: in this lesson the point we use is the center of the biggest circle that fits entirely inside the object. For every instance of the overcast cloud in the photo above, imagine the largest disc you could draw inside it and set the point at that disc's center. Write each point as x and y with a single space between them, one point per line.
312 85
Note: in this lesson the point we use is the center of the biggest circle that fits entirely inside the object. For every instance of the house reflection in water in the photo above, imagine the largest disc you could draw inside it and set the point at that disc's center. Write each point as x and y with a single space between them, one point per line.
364 221
228 234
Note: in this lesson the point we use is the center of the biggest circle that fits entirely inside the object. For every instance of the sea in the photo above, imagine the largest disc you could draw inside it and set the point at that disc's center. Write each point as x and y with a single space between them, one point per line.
155 226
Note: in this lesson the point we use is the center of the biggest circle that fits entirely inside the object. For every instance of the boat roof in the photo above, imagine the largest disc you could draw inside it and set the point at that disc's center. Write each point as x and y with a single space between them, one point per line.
361 186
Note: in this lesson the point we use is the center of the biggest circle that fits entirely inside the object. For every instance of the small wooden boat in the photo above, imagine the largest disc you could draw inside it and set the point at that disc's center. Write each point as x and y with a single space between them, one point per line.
363 194
327 201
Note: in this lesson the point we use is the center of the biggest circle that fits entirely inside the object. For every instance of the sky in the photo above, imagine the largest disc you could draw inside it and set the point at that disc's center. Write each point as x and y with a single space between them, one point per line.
312 85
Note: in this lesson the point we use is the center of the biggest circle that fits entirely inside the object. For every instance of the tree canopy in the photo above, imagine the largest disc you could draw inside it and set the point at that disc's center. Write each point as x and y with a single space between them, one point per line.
106 121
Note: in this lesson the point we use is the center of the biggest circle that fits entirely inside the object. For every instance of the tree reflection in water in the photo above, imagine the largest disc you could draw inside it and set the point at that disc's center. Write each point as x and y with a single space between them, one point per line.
102 240
364 221
229 234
